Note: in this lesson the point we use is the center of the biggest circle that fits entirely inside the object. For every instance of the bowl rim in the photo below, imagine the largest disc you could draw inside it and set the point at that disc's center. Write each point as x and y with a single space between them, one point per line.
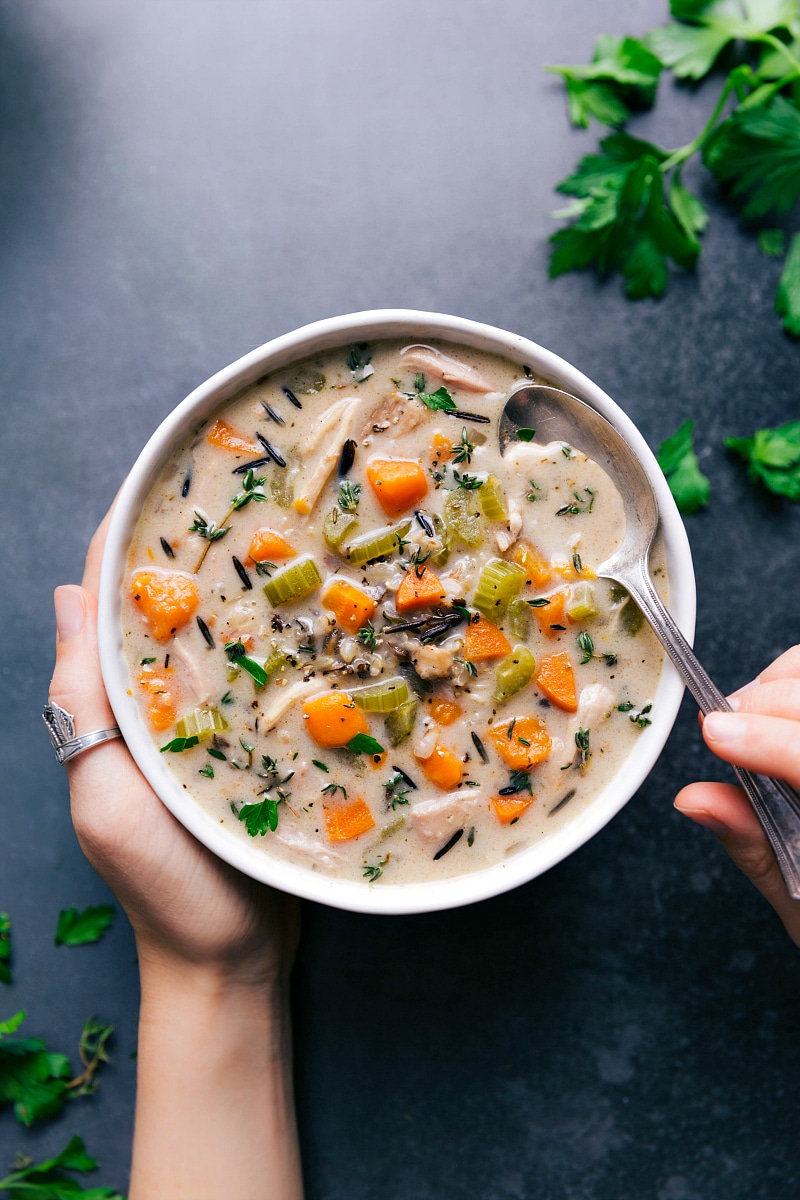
354 896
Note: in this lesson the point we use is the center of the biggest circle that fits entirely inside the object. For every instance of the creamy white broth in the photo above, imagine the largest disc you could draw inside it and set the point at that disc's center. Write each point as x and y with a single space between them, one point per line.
557 502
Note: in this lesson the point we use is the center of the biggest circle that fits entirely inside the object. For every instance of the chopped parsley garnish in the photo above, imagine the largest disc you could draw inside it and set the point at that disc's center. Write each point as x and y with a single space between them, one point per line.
678 461
260 817
146 662
82 928
438 401
179 744
207 770
362 743
238 656
212 750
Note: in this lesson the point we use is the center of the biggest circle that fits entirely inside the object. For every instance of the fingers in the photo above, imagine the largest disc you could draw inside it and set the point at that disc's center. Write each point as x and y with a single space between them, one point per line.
77 684
726 811
785 667
764 744
780 698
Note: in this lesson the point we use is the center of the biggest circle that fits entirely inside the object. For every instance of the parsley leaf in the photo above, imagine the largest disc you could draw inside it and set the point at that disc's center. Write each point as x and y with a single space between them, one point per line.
622 77
773 456
692 44
47 1181
756 153
5 948
787 297
362 743
80 929
772 242
439 401
259 818
33 1079
678 461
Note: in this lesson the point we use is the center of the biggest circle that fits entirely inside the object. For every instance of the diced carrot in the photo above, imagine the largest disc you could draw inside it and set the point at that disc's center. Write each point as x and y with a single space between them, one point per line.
351 607
268 546
535 565
225 436
166 600
556 678
552 617
442 447
334 719
529 742
347 821
398 484
484 640
567 571
508 809
161 708
444 768
420 589
444 711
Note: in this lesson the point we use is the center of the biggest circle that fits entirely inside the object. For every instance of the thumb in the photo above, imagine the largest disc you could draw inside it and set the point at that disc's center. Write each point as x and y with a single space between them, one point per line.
77 684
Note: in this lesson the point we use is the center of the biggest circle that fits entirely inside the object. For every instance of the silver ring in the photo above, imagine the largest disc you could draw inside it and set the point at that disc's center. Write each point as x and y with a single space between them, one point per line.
61 727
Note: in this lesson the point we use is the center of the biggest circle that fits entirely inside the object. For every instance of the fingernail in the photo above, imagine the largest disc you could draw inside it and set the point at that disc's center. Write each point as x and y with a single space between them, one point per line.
701 817
724 727
68 604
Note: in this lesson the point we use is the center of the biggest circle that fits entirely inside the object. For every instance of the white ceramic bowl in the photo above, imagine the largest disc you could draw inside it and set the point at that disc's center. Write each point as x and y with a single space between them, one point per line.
252 859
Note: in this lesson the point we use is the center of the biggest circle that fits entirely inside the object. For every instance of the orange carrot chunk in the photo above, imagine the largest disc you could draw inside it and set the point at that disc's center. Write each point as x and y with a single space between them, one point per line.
333 719
510 808
346 821
535 565
444 768
444 711
556 678
420 589
442 447
484 640
225 436
166 600
161 709
552 617
268 546
521 743
351 607
398 484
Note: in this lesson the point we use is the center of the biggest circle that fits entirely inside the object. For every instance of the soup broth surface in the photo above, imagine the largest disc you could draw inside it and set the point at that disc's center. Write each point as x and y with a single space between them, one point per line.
370 642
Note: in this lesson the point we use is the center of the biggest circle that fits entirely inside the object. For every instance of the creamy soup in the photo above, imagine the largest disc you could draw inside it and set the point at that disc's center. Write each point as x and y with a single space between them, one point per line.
371 642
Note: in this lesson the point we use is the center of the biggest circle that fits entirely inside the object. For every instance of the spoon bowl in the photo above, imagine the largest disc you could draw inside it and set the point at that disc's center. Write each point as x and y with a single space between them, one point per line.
556 416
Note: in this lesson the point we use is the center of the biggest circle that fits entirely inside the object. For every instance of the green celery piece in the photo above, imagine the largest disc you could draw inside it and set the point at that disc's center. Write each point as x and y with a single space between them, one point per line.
336 527
519 618
201 723
462 516
787 297
440 557
582 603
376 544
499 583
294 581
382 697
492 500
513 674
400 723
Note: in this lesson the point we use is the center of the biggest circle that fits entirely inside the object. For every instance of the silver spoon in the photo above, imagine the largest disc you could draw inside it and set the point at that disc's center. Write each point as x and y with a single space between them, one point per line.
558 417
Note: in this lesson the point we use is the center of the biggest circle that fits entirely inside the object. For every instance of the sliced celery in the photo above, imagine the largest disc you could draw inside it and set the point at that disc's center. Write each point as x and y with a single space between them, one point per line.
383 697
582 604
462 514
499 583
513 673
400 723
440 557
519 618
201 723
281 488
293 581
337 525
376 544
492 500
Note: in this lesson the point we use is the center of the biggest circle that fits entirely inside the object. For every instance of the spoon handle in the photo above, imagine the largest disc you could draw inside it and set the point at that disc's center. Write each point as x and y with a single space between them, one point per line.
776 804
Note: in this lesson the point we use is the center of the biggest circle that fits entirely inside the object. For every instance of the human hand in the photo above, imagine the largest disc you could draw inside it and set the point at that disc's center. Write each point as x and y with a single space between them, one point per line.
761 735
185 905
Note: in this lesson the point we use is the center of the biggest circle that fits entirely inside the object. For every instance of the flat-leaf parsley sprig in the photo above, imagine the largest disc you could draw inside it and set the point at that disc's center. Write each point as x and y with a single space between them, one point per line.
630 210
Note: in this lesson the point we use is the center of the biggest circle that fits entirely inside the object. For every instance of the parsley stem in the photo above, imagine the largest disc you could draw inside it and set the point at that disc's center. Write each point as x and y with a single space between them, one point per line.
207 545
683 152
769 39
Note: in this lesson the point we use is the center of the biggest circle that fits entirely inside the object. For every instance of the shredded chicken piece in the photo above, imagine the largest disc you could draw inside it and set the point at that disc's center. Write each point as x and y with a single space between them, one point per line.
308 847
595 703
439 818
286 698
449 370
341 417
401 414
198 680
505 538
424 747
430 662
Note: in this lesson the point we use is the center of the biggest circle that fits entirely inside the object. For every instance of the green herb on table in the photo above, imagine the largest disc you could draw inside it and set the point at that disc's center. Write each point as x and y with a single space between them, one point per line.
5 948
93 1050
32 1078
772 242
630 210
678 461
773 458
438 401
81 928
47 1180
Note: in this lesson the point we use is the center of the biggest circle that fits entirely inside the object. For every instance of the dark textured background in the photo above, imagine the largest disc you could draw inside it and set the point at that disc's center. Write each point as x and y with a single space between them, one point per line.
179 182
